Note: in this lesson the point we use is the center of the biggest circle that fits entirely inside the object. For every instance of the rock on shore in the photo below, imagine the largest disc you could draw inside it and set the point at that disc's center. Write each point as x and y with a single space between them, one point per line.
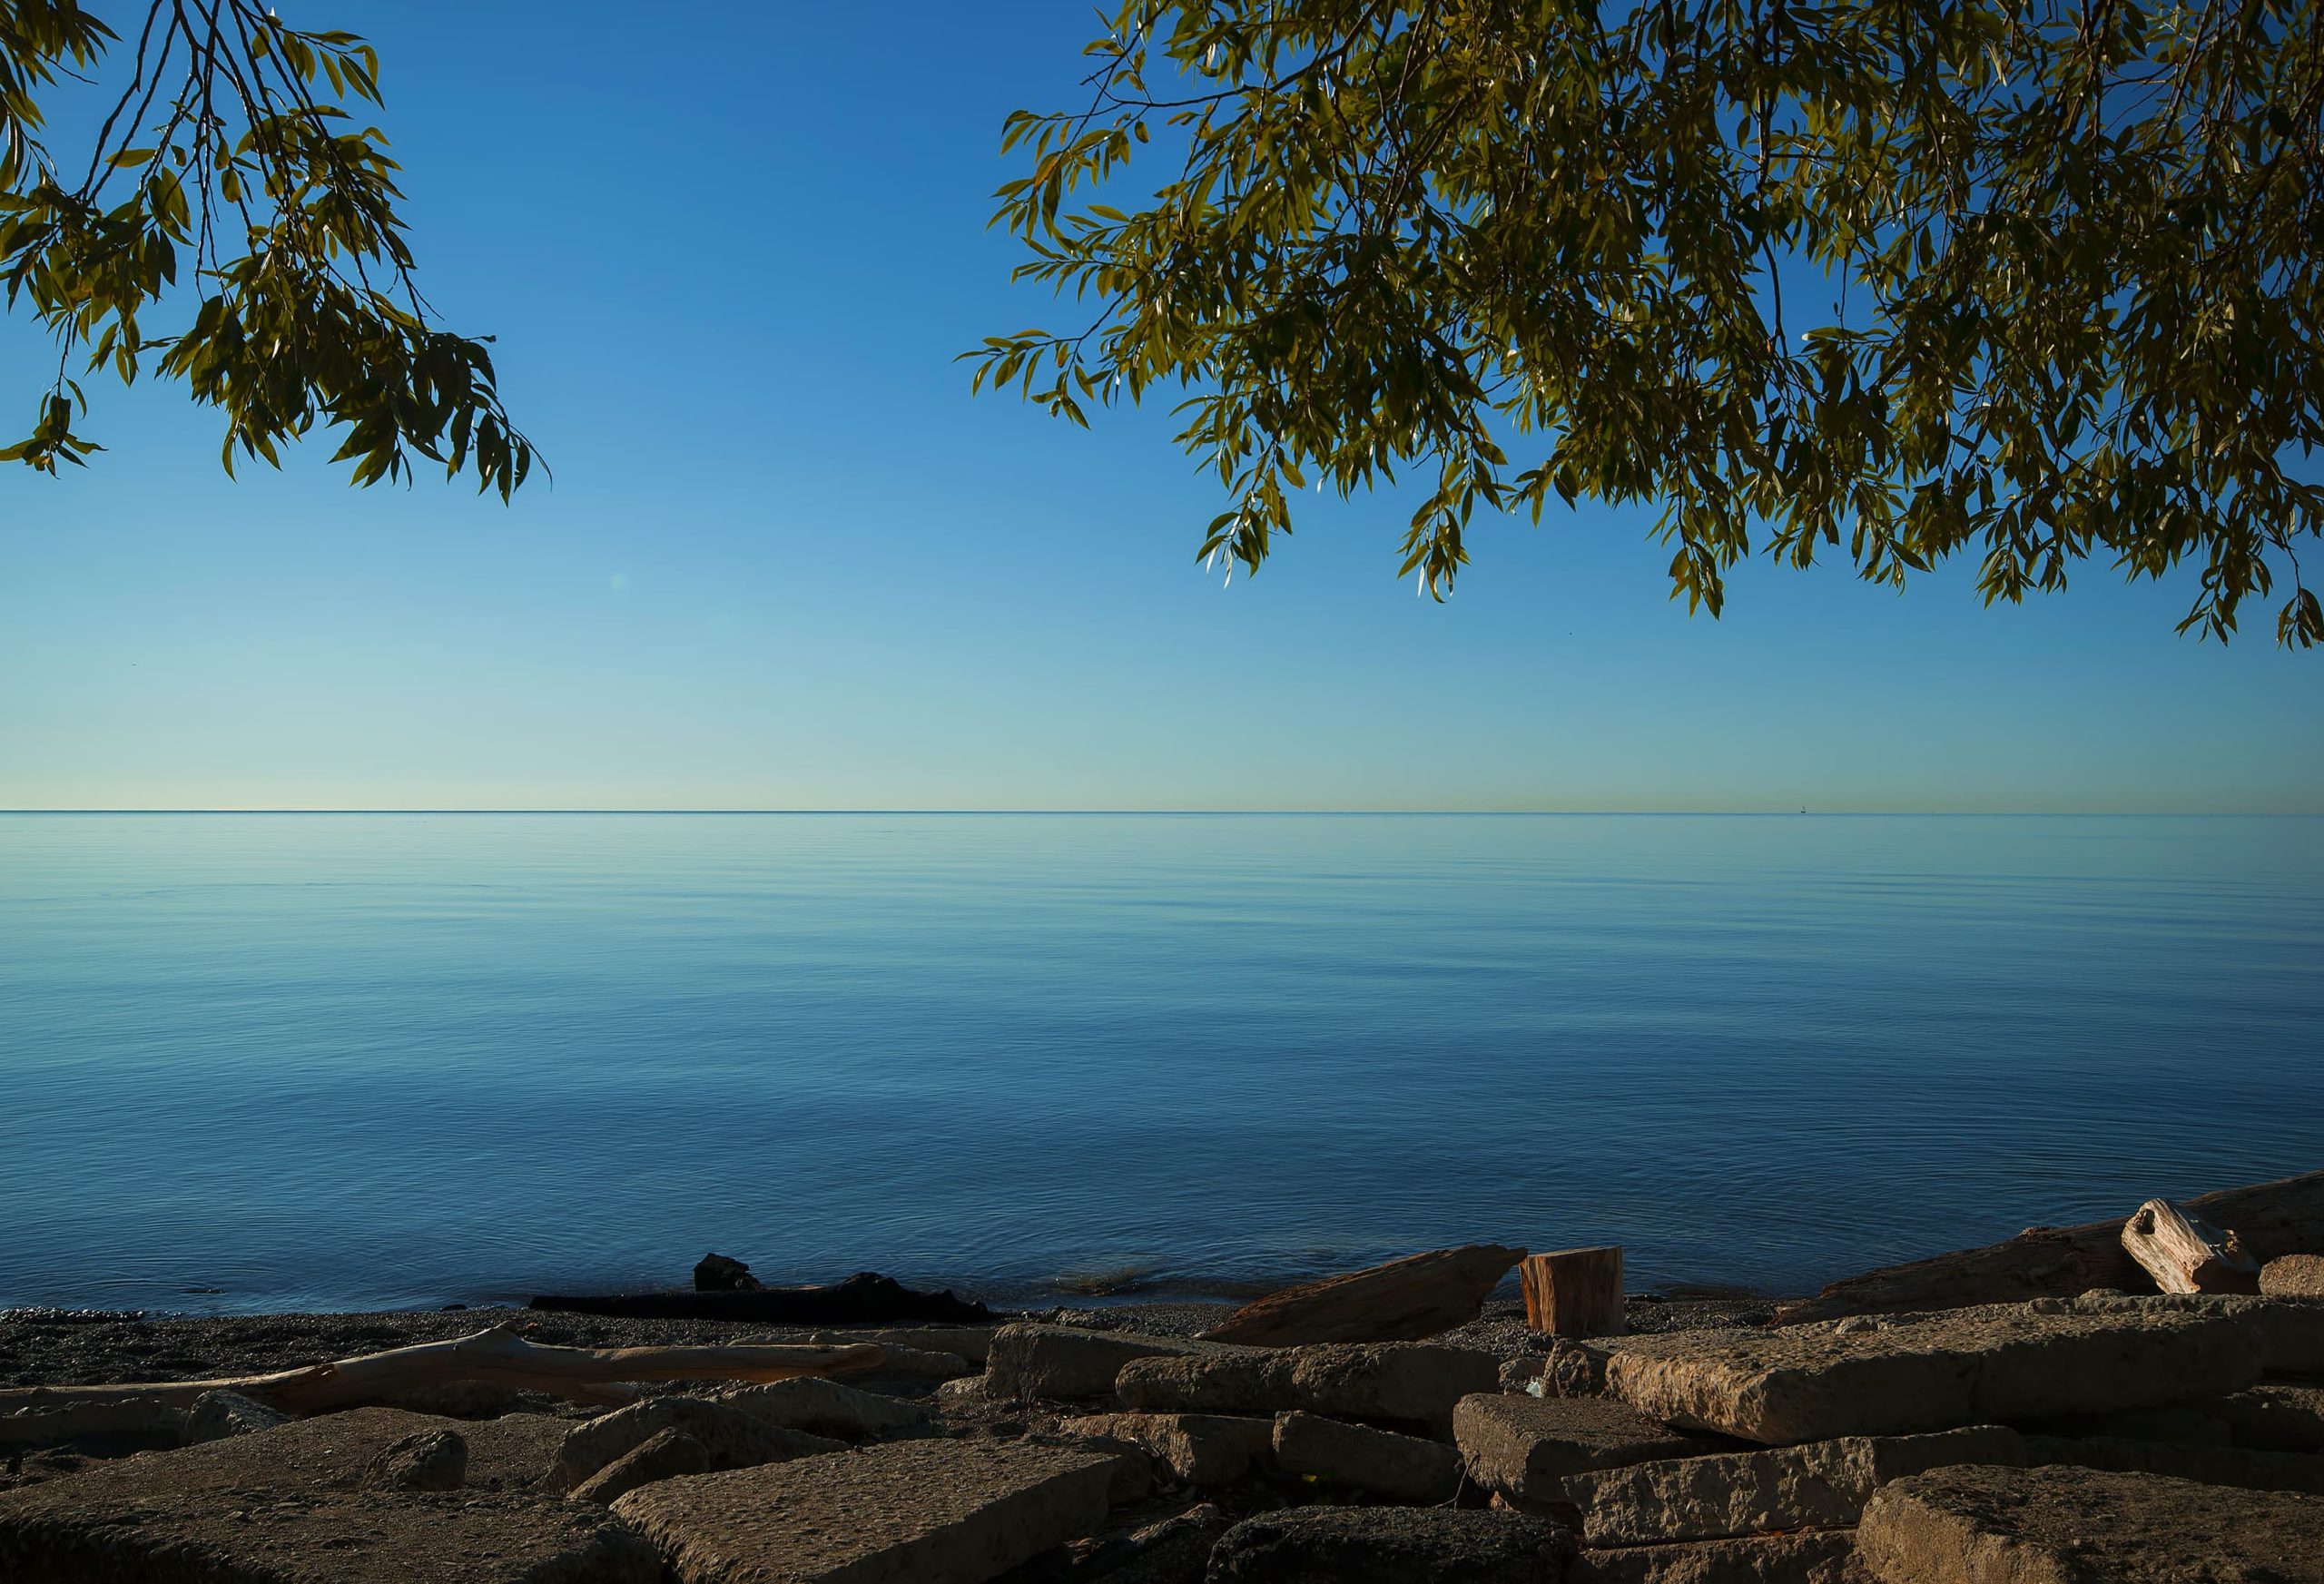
1909 1449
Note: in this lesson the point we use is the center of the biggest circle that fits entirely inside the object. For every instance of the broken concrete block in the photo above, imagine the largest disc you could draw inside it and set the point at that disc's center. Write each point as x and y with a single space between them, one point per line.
666 1454
2188 1423
1175 1550
2035 1526
218 1414
2253 1471
1820 1485
284 1504
1524 1374
431 1460
1525 1449
1818 1556
1201 1449
1132 1478
1902 1375
1404 1300
920 1511
825 1407
1400 1468
1402 1381
732 1438
1391 1545
2277 1418
1068 1362
2289 1332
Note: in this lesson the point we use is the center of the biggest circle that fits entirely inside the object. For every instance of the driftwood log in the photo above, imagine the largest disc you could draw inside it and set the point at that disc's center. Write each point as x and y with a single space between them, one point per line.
2064 1261
1401 1301
1574 1292
2186 1254
866 1298
500 1357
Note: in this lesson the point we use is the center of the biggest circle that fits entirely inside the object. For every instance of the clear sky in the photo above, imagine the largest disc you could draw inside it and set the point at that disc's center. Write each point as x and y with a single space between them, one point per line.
787 562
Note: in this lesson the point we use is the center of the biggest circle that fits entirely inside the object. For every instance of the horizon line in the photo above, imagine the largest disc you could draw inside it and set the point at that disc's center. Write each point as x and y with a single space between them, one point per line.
1238 812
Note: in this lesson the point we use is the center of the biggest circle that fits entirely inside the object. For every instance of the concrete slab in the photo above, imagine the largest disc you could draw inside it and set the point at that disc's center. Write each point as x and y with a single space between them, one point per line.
1904 1374
2077 1526
905 1512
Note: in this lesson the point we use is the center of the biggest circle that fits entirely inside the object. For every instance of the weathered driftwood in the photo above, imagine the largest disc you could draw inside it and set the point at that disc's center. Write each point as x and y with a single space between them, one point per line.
2063 1262
498 1356
1401 1301
1574 1292
865 1298
2186 1254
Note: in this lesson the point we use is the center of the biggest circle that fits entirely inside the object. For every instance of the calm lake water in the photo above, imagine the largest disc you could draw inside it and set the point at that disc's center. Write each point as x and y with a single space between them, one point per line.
353 1060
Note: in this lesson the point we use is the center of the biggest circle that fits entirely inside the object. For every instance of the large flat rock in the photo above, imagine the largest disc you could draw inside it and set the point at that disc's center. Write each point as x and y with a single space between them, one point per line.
1389 1545
283 1506
826 1407
910 1513
731 1435
1202 1449
1404 1300
1381 1462
1902 1375
1525 1449
2253 1470
2289 1332
512 1453
1067 1362
1819 1557
2081 1526
2276 1417
1821 1485
1398 1382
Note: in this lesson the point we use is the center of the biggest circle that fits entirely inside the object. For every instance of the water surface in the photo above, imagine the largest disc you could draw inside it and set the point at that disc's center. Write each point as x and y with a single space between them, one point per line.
356 1060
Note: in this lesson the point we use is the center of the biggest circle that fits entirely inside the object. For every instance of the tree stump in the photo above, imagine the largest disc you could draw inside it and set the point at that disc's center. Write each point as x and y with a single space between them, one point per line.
1574 1292
2186 1254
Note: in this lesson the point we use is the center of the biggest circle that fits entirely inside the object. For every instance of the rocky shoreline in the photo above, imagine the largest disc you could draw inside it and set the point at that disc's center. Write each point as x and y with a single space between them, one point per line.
2103 1434
55 1348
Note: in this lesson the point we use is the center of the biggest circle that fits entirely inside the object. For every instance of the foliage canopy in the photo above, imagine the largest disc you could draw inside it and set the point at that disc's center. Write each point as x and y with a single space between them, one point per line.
1894 279
223 160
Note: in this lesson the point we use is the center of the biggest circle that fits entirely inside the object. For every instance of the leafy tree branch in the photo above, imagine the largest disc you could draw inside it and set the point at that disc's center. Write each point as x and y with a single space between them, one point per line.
2071 249
227 159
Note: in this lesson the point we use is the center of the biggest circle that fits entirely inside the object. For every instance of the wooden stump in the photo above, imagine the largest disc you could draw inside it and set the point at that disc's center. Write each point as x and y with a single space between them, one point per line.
2186 1254
1574 1292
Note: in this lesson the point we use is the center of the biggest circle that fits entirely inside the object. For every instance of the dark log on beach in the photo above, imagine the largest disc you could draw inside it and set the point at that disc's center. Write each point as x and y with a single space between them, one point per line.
865 1298
1401 1301
2271 1219
718 1273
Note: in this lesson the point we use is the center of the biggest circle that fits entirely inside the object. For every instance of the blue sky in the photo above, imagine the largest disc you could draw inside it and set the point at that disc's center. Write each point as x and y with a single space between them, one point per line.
787 562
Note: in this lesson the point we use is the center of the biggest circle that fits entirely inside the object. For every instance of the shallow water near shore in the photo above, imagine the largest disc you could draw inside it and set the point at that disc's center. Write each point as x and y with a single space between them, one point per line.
266 1062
